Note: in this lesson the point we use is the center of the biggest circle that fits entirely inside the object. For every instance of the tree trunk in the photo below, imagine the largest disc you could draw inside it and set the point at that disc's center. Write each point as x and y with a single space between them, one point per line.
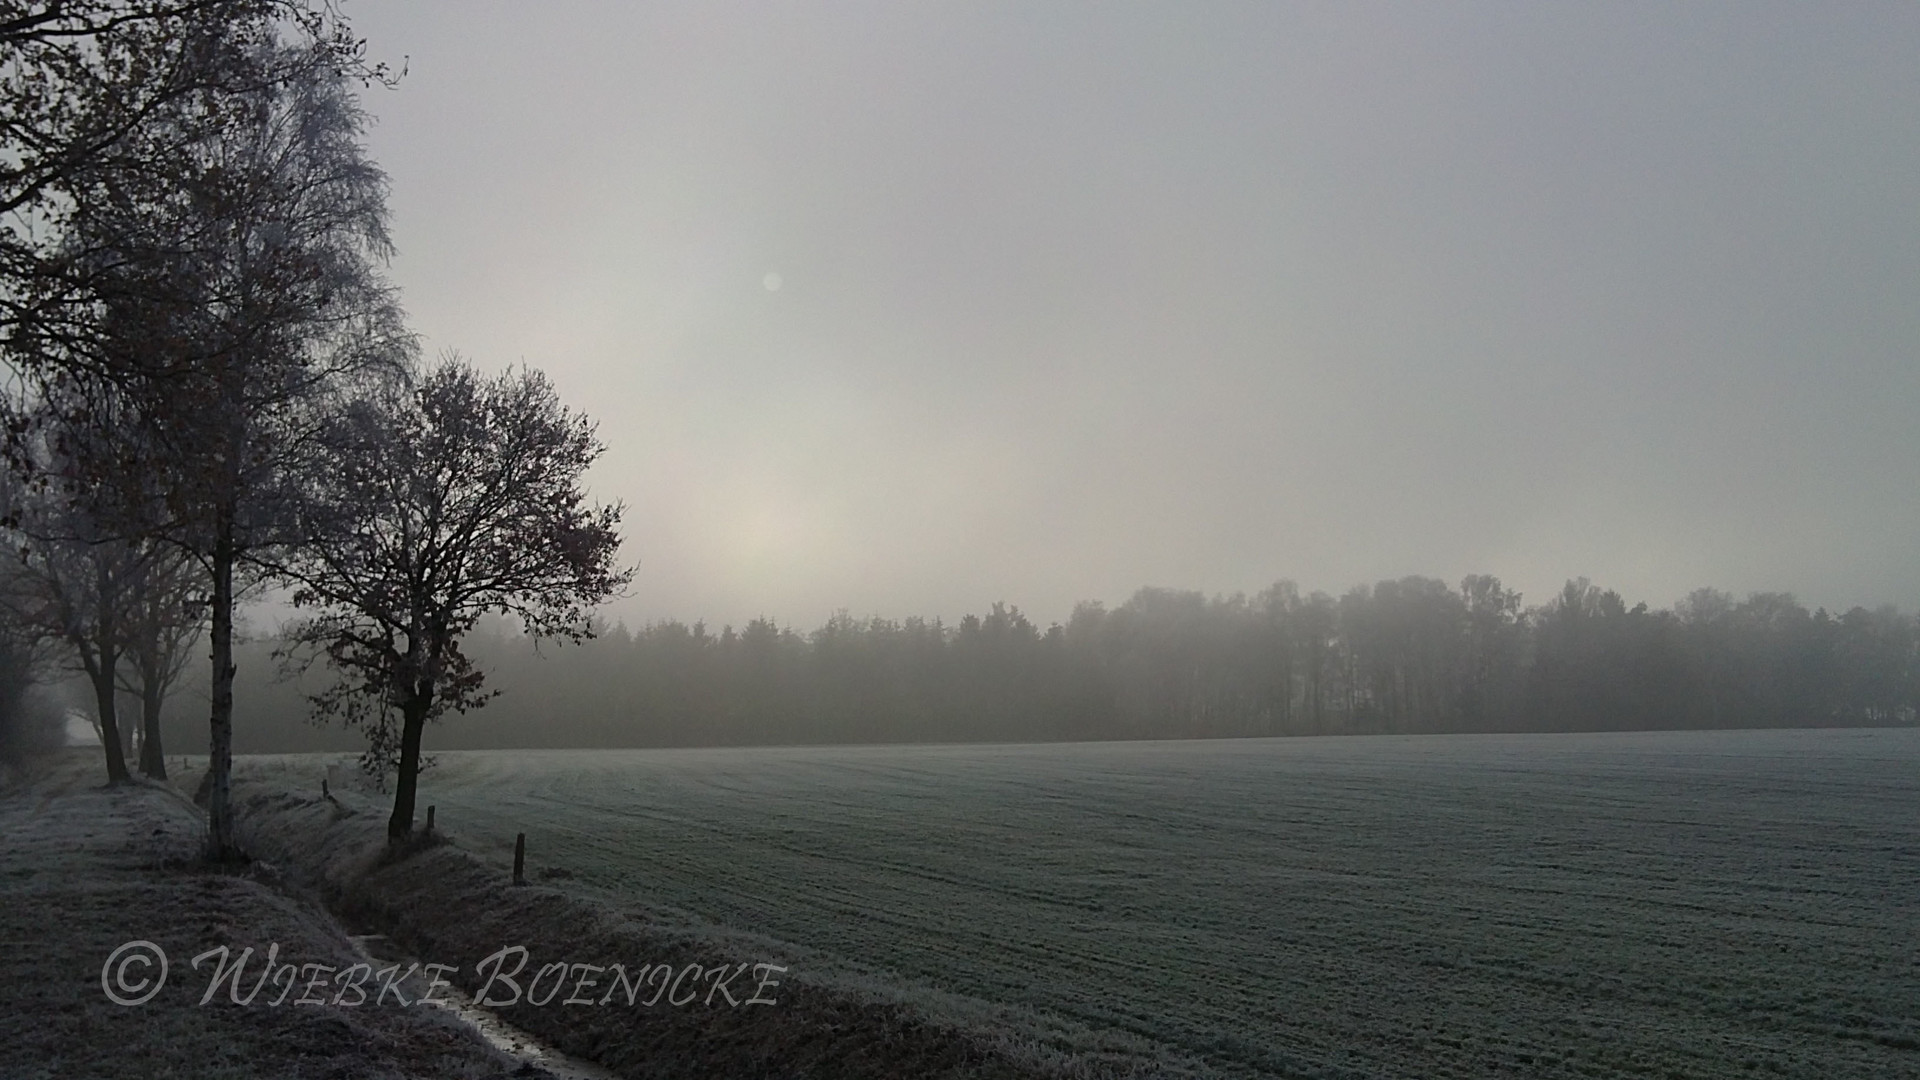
413 718
101 675
153 760
220 845
99 655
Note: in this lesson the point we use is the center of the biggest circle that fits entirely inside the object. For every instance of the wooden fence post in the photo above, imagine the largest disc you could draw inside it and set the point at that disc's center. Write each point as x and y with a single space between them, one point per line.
520 859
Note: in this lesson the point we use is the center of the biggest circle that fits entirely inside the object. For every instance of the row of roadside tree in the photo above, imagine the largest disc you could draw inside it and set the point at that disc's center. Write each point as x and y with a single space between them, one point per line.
213 388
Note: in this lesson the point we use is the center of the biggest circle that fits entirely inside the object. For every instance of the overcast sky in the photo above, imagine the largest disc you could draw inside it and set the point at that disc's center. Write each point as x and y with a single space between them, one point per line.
908 308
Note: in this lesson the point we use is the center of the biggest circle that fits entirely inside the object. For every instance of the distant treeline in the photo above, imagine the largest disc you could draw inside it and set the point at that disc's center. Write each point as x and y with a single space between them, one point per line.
1411 655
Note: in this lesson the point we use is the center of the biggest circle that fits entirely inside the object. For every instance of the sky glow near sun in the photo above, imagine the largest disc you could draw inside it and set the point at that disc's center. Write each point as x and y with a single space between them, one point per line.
909 310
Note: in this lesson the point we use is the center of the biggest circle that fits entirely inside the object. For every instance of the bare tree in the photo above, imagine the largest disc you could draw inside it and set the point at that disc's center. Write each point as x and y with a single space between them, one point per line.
457 497
163 618
67 585
87 572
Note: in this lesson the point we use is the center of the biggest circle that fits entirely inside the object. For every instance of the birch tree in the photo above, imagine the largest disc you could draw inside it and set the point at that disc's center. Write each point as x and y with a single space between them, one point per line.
238 301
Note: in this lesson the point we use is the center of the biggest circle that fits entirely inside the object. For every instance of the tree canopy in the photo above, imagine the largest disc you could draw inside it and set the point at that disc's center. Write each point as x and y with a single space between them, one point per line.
455 497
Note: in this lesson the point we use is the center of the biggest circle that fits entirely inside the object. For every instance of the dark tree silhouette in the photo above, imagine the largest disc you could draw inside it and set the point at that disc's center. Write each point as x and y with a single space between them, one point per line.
88 576
458 496
163 618
68 585
72 574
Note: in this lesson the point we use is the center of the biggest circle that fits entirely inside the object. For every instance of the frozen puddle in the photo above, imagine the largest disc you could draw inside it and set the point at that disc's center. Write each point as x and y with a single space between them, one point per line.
502 1036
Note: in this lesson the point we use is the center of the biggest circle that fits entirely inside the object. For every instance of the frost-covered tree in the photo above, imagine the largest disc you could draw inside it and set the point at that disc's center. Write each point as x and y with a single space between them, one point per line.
236 302
92 93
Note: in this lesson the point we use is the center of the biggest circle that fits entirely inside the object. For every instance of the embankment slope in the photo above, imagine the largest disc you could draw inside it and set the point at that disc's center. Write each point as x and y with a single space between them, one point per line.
447 906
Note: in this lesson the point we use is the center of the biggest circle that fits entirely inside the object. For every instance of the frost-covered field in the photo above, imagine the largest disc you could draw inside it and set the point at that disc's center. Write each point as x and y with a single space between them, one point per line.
1677 904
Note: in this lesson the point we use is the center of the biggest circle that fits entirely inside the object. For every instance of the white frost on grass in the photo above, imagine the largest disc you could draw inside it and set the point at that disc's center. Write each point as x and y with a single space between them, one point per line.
1706 903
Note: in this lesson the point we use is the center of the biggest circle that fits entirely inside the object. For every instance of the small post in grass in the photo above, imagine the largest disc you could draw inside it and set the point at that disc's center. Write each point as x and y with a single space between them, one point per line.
429 818
520 859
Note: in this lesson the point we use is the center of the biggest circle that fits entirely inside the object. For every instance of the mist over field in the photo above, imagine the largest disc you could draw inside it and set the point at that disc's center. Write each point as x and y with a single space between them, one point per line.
1069 541
1405 656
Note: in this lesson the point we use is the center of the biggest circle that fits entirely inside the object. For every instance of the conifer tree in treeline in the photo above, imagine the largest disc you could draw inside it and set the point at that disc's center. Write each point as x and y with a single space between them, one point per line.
442 501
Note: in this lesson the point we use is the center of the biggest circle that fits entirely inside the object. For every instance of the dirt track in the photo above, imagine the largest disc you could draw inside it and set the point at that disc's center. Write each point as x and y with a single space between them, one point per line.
85 868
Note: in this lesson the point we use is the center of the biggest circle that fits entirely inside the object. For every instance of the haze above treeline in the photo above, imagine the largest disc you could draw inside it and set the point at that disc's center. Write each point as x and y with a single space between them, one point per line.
1073 298
1403 655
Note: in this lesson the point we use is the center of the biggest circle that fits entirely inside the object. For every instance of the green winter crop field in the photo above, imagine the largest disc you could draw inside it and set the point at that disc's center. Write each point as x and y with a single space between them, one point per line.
1670 904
